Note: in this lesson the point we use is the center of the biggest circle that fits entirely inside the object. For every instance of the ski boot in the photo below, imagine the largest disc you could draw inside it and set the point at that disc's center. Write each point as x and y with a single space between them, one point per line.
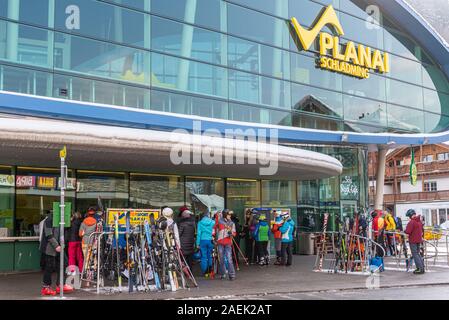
418 271
262 261
48 291
267 260
66 289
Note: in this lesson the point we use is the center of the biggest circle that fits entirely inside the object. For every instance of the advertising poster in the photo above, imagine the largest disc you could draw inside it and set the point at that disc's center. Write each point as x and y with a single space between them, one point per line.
137 216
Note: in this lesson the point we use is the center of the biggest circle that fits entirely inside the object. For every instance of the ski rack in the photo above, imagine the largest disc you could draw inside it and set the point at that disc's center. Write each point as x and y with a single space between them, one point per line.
355 264
98 277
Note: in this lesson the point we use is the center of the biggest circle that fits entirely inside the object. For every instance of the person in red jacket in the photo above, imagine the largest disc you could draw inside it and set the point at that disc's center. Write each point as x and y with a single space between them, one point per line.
225 229
414 230
378 230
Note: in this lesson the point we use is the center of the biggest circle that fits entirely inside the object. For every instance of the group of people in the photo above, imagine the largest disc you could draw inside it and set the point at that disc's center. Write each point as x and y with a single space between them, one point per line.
386 229
76 237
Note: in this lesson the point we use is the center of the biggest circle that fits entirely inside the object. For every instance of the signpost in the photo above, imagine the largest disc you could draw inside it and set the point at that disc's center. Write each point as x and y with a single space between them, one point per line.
62 155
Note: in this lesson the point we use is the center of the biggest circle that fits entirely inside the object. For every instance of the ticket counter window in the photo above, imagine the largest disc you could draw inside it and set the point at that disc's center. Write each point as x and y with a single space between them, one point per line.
110 187
7 180
36 191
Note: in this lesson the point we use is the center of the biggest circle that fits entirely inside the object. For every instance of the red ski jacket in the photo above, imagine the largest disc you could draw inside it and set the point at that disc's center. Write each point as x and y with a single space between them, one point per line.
414 230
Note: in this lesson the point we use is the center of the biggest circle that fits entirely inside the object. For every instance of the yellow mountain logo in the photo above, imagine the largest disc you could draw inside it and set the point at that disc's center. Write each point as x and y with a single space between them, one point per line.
329 17
351 59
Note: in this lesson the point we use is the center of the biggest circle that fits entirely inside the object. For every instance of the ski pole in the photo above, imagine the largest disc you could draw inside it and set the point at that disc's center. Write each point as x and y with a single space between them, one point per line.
240 251
235 258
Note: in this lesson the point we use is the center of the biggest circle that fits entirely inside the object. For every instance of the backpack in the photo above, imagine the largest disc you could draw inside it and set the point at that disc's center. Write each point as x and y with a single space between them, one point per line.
376 264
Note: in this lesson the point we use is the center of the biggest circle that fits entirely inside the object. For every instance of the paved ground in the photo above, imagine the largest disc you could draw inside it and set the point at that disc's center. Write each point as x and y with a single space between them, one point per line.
296 282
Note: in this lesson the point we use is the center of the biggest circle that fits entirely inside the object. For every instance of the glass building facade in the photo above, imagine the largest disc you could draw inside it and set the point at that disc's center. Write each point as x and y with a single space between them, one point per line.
224 59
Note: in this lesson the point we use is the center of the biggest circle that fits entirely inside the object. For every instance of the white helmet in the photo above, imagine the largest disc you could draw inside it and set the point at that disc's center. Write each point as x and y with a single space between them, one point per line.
167 212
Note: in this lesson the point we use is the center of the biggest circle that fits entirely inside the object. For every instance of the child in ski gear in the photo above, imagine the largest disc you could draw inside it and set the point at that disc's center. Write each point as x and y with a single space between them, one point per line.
51 250
414 230
75 250
225 231
287 230
277 236
262 235
88 226
204 240
186 228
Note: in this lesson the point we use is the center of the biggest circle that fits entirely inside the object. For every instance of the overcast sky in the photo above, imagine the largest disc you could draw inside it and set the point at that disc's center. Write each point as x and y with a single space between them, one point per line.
436 12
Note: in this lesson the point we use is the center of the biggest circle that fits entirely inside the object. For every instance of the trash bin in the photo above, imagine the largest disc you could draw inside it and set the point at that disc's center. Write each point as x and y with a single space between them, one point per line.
305 243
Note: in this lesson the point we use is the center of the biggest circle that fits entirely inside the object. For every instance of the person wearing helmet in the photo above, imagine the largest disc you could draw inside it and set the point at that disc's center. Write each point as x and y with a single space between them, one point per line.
166 221
414 230
287 229
277 235
262 235
225 231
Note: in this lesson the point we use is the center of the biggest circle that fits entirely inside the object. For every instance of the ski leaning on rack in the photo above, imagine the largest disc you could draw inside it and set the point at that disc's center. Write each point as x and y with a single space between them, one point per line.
323 242
150 254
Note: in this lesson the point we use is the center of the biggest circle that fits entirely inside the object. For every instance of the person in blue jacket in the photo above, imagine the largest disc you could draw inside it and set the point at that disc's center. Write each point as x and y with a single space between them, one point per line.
204 238
287 229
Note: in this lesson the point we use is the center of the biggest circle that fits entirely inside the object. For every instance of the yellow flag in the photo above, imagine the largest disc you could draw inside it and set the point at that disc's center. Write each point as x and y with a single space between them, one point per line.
63 152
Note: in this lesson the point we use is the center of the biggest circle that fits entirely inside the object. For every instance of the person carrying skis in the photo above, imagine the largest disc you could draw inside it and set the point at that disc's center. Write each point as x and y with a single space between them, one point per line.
51 250
204 241
262 235
414 230
287 230
88 226
277 236
225 231
75 250
186 228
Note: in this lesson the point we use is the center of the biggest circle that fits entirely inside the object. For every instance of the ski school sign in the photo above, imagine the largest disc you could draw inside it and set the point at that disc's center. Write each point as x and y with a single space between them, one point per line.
354 60
137 216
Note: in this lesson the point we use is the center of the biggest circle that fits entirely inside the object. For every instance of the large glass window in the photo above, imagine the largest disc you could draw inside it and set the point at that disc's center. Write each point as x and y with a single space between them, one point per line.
101 92
25 81
263 28
110 187
400 44
174 73
373 87
246 113
30 11
361 31
187 41
404 94
433 78
101 59
405 69
184 104
278 7
311 99
278 193
205 194
307 120
405 119
36 190
156 191
7 182
143 5
258 90
308 205
208 13
305 70
435 122
258 58
242 194
26 45
365 110
304 11
436 102
105 21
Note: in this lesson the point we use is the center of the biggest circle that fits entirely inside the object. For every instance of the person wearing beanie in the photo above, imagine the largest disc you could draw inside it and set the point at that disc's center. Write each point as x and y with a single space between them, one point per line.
88 226
186 228
166 221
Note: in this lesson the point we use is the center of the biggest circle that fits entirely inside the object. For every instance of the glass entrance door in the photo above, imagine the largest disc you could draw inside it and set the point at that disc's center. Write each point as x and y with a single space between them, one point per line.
348 208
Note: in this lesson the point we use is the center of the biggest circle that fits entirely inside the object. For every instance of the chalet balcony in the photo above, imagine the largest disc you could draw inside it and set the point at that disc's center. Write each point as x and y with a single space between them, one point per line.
423 167
416 196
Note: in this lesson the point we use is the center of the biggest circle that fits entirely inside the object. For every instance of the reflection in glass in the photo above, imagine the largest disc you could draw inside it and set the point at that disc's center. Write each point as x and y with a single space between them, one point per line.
25 81
365 110
156 191
404 94
304 120
310 99
373 87
435 122
245 113
405 69
405 119
205 194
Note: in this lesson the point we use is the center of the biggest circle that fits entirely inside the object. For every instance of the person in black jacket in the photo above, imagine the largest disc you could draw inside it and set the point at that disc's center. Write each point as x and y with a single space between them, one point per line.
186 228
75 251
